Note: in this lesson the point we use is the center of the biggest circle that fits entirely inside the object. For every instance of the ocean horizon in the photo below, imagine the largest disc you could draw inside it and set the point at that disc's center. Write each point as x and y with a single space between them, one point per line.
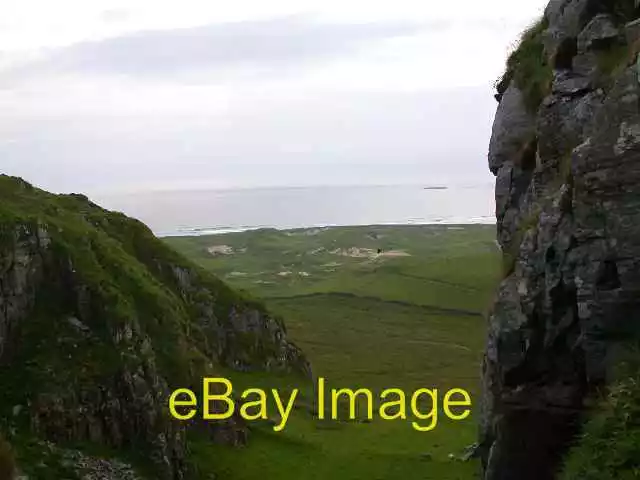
218 211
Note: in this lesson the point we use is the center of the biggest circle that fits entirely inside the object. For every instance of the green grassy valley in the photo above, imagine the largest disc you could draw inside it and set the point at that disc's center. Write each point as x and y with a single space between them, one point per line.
372 307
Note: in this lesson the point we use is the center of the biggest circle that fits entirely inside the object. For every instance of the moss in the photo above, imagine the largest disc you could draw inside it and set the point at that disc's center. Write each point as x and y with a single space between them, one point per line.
7 460
610 444
510 255
565 167
509 261
613 61
531 220
42 461
529 68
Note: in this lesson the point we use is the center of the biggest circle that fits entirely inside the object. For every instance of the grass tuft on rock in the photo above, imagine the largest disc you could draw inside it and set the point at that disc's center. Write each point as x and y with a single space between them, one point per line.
614 60
610 444
529 68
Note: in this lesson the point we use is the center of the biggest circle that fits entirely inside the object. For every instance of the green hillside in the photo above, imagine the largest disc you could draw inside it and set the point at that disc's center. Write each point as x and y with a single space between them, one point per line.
99 322
409 317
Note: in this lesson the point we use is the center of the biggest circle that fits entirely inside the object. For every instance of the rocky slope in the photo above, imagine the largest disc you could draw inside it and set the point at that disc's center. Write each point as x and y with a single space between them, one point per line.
565 150
99 321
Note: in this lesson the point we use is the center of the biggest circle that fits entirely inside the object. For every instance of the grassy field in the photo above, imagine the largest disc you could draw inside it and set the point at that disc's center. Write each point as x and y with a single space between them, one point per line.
372 307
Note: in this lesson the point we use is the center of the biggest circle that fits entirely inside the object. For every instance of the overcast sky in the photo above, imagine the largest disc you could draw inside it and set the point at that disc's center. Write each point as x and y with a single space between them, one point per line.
110 95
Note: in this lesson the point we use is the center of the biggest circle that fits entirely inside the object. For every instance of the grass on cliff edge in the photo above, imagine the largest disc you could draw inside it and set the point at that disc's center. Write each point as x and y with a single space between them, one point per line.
609 447
529 68
410 318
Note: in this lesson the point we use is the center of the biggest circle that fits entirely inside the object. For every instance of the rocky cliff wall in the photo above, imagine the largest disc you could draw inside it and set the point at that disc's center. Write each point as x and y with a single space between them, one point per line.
99 321
565 150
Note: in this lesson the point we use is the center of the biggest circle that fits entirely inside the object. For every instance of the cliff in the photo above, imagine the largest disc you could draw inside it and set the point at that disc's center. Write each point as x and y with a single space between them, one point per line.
565 150
99 322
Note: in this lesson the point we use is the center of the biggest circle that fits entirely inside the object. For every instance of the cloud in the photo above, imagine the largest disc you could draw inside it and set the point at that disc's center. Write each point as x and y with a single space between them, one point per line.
269 44
114 15
153 92
273 142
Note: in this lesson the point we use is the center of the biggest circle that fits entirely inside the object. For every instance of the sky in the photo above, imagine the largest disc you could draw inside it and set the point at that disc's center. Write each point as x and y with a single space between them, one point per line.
132 95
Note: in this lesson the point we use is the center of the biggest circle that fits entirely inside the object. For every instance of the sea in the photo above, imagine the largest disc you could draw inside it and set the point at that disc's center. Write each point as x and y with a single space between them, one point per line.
206 212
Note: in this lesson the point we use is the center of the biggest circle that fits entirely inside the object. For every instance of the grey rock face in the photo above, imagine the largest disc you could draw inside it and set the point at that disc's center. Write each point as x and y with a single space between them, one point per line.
571 299
511 158
600 33
632 32
568 85
246 338
20 272
513 128
566 19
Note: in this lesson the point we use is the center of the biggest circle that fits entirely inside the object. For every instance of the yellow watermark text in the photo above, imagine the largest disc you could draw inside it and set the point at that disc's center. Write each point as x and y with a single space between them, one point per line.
219 401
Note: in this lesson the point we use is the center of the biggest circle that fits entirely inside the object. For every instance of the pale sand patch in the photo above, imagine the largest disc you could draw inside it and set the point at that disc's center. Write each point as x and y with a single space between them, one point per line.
220 250
312 232
237 274
356 252
331 265
395 253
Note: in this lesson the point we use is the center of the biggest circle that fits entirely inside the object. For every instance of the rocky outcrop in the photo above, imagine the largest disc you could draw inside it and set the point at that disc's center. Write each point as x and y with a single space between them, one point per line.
568 211
99 321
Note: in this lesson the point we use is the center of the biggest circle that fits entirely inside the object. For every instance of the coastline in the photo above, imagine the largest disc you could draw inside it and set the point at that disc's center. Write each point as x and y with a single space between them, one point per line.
198 213
223 230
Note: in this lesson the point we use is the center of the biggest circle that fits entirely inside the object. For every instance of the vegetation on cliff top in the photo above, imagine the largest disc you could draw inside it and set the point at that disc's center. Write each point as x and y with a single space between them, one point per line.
528 67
